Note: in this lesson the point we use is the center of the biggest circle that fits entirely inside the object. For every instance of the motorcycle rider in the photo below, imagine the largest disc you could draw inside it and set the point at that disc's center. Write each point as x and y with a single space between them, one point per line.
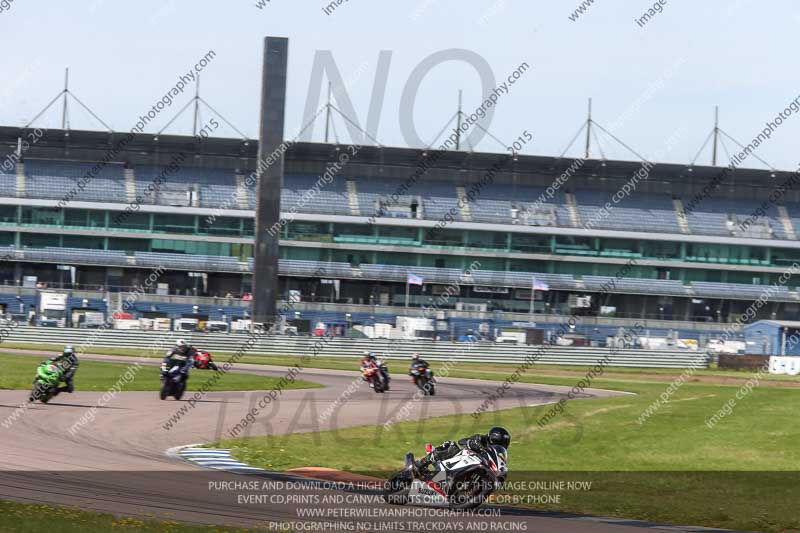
204 361
477 443
371 359
182 355
417 363
68 362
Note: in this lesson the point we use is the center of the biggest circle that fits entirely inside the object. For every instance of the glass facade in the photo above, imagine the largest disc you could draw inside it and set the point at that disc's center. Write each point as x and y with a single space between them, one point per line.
419 246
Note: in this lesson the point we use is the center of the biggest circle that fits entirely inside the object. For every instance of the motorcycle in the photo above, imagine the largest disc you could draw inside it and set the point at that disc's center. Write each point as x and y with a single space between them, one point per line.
203 360
173 382
462 482
423 378
45 384
377 377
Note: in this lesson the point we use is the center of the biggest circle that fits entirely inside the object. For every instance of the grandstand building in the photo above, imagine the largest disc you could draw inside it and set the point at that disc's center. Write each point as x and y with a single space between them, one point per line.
73 199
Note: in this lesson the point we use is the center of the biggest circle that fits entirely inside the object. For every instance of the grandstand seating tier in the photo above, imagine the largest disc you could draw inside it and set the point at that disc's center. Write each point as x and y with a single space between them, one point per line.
308 193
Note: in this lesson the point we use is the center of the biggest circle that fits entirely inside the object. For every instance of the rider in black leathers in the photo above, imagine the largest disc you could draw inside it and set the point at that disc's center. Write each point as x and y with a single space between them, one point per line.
69 362
477 443
417 363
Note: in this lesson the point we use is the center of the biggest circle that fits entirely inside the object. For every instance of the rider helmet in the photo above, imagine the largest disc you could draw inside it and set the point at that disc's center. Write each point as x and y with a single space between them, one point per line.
180 343
415 356
499 436
69 350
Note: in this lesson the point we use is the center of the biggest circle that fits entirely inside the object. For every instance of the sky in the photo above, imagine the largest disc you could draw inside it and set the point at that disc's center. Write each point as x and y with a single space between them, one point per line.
654 85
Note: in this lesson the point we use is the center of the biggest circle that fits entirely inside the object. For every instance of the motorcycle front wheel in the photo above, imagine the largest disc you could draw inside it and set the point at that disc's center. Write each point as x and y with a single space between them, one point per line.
179 390
471 490
35 393
424 385
165 390
43 392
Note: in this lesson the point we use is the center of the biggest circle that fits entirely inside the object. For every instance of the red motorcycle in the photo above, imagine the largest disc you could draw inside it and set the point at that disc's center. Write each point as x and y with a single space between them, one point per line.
203 361
374 375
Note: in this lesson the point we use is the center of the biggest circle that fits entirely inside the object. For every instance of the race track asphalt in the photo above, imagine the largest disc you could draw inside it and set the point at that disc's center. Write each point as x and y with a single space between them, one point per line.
117 461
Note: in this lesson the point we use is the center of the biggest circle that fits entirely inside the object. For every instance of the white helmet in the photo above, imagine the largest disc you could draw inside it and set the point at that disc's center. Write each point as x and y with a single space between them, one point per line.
180 343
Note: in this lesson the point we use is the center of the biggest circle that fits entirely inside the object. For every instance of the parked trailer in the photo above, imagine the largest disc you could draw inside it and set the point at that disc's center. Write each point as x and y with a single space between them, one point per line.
53 309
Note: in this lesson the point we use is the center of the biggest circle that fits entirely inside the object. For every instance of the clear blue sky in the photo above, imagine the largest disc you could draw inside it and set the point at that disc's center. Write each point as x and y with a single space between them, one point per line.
123 56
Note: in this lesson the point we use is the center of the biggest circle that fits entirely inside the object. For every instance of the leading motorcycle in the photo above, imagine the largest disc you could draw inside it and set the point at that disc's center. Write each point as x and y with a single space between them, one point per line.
48 375
462 482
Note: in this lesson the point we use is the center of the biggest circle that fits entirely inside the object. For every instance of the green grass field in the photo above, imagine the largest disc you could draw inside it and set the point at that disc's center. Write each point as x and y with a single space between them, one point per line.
19 371
37 518
744 473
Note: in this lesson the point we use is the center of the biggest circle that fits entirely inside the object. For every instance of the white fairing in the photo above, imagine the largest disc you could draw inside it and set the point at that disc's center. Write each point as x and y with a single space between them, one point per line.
463 459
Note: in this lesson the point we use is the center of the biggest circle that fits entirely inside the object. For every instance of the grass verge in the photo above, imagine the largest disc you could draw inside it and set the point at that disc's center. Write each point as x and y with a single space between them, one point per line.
38 518
19 371
741 474
463 369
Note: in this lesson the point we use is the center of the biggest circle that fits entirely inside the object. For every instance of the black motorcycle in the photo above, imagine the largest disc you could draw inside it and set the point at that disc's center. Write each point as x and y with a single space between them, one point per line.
423 378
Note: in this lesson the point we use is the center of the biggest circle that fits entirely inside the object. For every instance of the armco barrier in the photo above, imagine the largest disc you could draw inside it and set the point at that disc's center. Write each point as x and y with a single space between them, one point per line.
95 340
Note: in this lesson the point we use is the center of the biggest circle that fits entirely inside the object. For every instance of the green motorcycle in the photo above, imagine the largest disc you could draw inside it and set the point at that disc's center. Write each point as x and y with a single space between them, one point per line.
48 376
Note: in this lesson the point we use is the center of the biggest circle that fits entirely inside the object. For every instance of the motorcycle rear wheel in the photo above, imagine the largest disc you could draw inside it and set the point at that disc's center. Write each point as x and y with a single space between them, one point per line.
395 490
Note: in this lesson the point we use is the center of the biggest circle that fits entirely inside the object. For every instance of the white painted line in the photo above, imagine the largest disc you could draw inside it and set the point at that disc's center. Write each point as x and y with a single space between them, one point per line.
174 452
